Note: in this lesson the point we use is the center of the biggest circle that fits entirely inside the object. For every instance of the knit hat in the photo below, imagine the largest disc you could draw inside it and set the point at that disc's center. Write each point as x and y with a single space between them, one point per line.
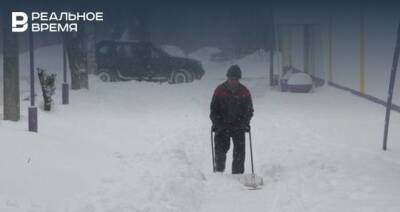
234 72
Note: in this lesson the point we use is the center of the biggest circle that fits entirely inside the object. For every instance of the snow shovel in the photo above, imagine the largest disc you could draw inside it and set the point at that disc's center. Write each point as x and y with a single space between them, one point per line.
212 149
249 180
253 181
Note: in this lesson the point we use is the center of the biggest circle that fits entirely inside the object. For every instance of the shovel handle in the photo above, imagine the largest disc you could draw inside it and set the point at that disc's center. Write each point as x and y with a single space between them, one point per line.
212 149
251 153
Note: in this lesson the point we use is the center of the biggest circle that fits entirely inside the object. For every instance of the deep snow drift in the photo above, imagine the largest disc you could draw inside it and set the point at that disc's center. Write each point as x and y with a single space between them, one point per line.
137 146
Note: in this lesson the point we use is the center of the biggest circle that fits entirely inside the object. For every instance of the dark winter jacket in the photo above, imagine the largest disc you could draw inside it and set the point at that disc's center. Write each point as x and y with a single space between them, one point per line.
231 109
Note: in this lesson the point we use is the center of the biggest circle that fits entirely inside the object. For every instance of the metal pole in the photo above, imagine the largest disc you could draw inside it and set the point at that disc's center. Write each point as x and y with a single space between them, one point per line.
271 51
65 86
212 150
362 52
64 63
391 86
32 110
306 48
32 69
271 68
251 153
330 62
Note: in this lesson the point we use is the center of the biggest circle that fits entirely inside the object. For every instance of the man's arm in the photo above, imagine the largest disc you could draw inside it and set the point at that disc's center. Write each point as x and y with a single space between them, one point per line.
214 111
248 109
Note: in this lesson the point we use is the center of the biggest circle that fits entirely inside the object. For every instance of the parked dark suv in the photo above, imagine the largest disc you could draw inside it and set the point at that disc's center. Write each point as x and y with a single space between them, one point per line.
136 60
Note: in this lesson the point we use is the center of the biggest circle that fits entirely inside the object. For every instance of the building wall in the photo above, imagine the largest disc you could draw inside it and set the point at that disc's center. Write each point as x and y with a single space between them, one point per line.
345 50
380 36
380 43
313 15
380 26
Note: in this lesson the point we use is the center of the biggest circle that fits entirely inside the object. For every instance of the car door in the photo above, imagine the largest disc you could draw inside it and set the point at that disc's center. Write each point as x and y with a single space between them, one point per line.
104 56
123 61
141 60
159 64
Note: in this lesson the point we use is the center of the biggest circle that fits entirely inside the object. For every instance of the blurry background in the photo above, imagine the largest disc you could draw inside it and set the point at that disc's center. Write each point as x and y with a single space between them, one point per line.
348 43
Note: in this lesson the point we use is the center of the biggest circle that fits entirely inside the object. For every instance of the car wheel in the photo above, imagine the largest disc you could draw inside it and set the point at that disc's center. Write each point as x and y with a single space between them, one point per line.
105 76
189 75
179 77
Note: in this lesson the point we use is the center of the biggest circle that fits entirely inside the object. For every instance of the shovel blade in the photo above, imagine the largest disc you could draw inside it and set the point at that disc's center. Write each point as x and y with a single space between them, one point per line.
249 180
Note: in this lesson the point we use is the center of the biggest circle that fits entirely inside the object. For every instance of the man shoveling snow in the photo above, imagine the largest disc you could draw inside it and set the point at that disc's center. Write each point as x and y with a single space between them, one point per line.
231 112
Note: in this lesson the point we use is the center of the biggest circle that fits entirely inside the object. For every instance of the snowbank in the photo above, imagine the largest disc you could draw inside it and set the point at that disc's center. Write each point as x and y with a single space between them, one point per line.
204 54
253 66
132 167
300 79
173 50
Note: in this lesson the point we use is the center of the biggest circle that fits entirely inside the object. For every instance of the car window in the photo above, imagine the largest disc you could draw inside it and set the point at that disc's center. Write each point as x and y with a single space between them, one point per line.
140 52
137 52
157 53
124 51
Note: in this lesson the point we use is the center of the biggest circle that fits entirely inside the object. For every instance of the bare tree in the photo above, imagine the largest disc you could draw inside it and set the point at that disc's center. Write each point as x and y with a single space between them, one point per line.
76 59
90 47
11 72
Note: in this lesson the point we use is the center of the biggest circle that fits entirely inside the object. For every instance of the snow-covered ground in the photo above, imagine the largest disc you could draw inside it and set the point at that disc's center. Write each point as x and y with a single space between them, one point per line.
136 146
255 65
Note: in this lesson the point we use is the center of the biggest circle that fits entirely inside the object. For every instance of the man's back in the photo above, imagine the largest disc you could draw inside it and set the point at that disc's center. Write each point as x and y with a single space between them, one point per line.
231 107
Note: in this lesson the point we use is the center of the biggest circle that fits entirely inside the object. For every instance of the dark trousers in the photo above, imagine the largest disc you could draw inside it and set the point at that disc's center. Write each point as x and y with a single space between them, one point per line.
222 144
